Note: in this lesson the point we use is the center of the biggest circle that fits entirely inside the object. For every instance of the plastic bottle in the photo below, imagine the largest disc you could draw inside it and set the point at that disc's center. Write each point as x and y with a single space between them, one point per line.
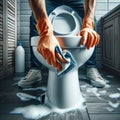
19 58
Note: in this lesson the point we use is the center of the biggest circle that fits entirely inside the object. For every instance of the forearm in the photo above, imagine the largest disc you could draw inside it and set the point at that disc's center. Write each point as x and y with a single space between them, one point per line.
89 8
39 8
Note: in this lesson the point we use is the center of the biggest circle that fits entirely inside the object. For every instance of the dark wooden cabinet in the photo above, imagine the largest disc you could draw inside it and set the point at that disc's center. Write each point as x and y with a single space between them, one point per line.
111 40
7 36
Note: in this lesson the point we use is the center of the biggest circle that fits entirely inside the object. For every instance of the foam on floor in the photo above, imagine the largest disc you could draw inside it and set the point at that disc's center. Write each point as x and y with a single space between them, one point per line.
41 110
43 88
32 111
114 105
114 95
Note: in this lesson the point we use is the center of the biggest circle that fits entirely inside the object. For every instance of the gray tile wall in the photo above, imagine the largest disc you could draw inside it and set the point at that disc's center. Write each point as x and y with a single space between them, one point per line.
24 11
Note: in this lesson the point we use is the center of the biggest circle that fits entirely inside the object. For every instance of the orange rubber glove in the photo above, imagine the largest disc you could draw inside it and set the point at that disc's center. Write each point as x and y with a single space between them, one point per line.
90 38
47 43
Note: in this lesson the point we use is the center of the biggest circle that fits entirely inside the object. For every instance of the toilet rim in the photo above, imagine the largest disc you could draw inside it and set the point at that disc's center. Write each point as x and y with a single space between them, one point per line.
66 10
75 41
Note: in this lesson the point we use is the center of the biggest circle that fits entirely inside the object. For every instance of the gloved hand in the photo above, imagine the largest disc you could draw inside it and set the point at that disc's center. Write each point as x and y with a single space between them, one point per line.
47 43
90 38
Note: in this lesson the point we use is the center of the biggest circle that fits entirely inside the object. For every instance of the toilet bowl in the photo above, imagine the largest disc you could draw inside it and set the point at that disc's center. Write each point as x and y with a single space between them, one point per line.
58 22
64 92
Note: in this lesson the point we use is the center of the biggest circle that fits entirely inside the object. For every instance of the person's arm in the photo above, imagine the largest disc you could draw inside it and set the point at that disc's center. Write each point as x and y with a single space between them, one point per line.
90 38
39 9
48 42
89 8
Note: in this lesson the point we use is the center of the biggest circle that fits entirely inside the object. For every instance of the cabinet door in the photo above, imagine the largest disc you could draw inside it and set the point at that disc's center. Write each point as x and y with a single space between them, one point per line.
117 43
108 43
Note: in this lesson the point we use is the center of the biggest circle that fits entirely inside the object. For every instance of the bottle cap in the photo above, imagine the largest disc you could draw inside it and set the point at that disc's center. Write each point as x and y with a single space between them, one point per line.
19 43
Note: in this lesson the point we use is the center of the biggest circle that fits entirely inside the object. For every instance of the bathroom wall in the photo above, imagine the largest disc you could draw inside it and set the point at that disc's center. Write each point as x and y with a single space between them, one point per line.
23 11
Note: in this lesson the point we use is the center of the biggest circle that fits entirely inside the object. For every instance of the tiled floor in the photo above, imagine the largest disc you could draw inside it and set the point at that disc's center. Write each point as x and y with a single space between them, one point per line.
102 103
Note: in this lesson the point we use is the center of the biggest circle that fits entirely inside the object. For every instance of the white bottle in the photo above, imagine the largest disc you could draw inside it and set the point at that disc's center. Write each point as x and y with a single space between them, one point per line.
19 58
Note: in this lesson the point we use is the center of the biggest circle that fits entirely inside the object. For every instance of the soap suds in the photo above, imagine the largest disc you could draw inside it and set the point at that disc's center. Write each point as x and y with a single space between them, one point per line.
107 86
41 110
43 88
85 86
103 92
94 91
118 89
114 105
109 109
32 111
114 95
107 81
110 76
27 97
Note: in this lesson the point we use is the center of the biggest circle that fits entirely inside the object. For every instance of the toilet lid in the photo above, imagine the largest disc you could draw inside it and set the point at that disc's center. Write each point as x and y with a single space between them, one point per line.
65 21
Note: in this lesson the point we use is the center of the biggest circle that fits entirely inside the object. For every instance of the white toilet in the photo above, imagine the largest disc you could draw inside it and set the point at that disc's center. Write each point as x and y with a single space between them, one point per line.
64 92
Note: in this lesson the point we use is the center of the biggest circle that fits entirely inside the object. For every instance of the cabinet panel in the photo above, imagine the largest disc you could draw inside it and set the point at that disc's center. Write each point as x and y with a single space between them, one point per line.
117 42
111 40
108 43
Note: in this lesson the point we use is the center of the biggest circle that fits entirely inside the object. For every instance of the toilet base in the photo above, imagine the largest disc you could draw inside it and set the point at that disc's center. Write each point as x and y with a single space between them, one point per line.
64 92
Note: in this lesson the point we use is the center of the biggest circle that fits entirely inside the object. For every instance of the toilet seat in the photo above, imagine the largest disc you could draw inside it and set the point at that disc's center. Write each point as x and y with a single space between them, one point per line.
65 21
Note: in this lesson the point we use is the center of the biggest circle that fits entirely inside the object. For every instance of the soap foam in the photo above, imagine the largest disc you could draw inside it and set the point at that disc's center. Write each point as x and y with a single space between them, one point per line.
43 88
110 76
118 89
109 109
98 93
103 92
41 110
94 91
107 86
114 95
33 111
114 105
28 97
